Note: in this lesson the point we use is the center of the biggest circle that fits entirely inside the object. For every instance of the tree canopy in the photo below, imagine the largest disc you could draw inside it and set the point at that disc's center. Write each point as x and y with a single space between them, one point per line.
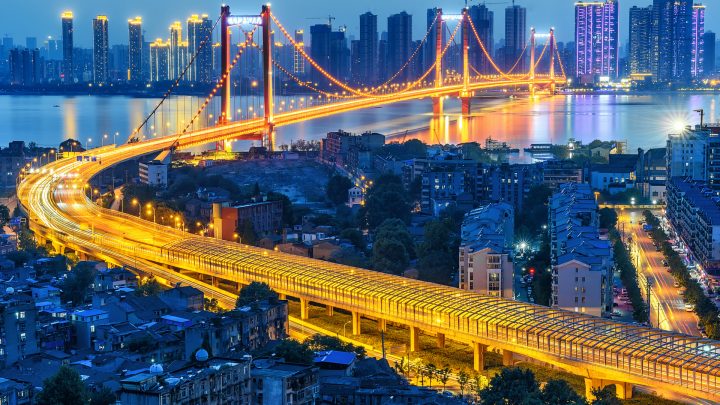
386 199
337 189
253 293
63 388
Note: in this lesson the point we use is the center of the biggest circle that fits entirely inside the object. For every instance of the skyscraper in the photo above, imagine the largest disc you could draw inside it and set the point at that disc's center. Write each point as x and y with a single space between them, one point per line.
135 47
515 37
298 59
199 34
641 23
320 50
710 41
175 67
368 49
101 49
697 61
482 18
596 36
430 42
672 40
67 35
159 61
399 43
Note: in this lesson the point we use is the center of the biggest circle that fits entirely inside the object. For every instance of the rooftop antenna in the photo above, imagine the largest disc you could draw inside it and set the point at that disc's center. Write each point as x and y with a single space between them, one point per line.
702 116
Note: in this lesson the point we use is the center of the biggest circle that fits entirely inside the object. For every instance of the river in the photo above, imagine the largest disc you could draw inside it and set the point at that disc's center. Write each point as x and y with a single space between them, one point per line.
643 120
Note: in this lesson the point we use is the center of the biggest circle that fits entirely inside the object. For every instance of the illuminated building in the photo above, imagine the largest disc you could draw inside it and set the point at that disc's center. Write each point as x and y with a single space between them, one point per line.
640 39
199 37
159 61
67 35
368 49
486 265
298 60
709 39
482 18
176 57
399 44
697 59
515 36
135 50
672 40
101 49
596 37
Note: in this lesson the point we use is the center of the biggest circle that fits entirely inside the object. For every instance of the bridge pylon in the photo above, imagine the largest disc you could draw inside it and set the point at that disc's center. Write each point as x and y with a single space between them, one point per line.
269 103
532 63
552 60
466 94
437 100
225 43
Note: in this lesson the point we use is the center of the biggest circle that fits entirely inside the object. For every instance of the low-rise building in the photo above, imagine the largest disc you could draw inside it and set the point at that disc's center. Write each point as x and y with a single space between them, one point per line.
652 174
582 262
556 172
276 383
485 254
18 329
618 175
265 217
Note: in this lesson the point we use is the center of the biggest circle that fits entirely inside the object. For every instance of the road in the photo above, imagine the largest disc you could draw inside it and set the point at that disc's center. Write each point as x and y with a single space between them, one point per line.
667 305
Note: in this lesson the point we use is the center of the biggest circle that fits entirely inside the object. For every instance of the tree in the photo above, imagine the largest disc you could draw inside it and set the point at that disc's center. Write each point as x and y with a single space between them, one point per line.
17 212
512 386
142 344
529 220
355 237
443 375
463 380
431 370
337 189
148 288
390 256
253 293
437 254
63 388
103 397
288 216
246 232
293 351
4 215
386 199
561 393
75 287
608 218
396 229
321 343
210 304
605 396
18 257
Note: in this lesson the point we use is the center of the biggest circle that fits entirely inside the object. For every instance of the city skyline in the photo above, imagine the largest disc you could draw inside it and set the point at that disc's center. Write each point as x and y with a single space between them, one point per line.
560 16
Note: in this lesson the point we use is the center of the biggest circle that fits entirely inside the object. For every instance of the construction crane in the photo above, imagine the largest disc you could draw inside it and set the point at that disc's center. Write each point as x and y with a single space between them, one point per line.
329 18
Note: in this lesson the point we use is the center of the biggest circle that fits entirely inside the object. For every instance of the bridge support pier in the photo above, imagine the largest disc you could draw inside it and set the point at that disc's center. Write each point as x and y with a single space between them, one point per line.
623 390
479 356
59 248
466 106
382 325
304 309
282 297
329 309
440 340
508 358
414 339
356 323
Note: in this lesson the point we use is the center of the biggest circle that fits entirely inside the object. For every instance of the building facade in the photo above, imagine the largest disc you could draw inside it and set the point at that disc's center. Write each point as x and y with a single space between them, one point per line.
596 38
68 67
641 23
135 49
101 49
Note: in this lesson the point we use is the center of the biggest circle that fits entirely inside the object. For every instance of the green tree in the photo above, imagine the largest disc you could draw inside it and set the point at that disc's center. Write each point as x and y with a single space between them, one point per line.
355 237
396 229
559 392
4 215
103 397
463 379
529 220
605 396
512 386
293 351
320 343
390 256
253 293
246 232
431 370
63 388
337 189
19 257
437 254
17 212
608 218
76 285
443 375
148 288
386 199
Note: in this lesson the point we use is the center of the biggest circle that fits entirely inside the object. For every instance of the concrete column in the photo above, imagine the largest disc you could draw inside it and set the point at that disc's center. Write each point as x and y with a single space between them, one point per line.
282 297
507 358
414 339
623 390
382 324
440 340
438 107
329 310
304 309
466 106
215 282
356 323
479 356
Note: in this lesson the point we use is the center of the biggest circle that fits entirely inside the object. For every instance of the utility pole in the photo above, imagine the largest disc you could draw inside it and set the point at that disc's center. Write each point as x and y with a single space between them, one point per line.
702 117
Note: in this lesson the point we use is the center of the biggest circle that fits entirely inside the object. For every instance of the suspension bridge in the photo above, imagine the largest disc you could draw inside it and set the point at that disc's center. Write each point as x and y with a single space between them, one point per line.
604 352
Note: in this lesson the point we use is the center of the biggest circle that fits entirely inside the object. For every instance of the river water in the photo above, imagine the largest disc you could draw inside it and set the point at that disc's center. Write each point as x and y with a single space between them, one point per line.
643 120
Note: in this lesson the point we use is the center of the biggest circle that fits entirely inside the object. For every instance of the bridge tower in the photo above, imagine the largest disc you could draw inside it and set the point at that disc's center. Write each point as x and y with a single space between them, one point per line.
269 132
552 60
466 95
438 100
225 42
532 63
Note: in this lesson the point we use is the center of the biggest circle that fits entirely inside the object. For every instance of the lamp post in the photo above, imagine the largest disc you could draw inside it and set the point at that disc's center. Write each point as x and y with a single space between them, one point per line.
135 202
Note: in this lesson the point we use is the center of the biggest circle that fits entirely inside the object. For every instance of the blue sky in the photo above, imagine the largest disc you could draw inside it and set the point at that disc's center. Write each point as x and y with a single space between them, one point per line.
40 18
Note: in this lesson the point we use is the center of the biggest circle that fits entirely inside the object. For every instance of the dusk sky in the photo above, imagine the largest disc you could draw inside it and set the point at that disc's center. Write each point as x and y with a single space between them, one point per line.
40 18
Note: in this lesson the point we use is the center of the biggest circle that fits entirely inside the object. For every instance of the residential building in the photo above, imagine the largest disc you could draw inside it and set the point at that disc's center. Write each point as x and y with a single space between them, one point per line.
697 59
26 67
687 153
298 58
159 61
85 323
672 40
184 298
487 237
18 339
507 183
368 49
483 20
641 21
618 175
350 151
276 383
582 262
68 68
399 45
447 180
652 174
199 37
556 172
516 37
710 42
135 50
101 49
596 38
265 217
12 161
155 172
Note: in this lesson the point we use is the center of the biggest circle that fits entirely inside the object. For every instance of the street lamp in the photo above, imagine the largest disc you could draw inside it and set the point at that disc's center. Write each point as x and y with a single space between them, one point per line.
150 209
135 202
89 143
103 139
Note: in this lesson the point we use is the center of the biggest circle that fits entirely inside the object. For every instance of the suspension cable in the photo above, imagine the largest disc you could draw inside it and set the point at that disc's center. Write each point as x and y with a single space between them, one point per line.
542 53
203 43
307 85
557 53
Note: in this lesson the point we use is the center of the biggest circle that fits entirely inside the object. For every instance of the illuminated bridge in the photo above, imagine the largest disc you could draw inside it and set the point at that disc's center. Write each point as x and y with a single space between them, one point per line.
602 351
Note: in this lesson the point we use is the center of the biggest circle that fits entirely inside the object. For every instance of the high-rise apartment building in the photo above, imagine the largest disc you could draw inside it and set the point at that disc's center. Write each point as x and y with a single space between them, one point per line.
68 68
697 59
710 41
672 40
482 18
399 44
101 49
320 50
199 35
596 38
135 49
368 49
641 22
298 59
515 37
159 61
175 59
